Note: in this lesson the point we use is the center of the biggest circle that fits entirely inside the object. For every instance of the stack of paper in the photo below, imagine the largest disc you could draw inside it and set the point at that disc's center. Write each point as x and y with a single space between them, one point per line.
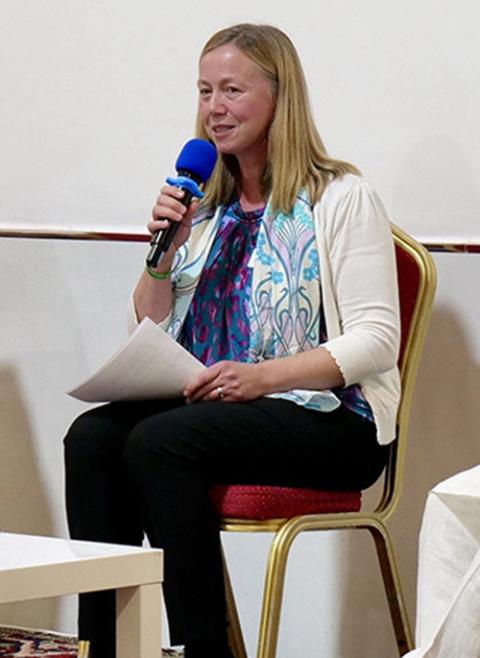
150 365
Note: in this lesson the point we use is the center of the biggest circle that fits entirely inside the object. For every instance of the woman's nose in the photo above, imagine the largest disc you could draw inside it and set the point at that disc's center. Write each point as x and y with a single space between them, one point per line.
217 105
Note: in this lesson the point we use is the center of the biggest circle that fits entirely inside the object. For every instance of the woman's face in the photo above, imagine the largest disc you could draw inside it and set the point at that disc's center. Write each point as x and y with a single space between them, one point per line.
236 104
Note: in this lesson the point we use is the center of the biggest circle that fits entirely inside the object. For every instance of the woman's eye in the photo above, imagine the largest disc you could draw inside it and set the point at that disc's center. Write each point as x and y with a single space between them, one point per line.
204 92
233 90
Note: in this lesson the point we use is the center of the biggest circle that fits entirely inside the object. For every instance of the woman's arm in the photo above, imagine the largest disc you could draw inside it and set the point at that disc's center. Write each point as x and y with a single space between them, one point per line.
153 296
239 382
361 274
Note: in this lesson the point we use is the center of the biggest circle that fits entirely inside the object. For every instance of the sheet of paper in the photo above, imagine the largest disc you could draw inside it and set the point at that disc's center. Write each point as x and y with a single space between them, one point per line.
150 365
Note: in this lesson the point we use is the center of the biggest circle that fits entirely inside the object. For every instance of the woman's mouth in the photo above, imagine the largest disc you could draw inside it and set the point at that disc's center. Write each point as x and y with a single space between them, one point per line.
221 129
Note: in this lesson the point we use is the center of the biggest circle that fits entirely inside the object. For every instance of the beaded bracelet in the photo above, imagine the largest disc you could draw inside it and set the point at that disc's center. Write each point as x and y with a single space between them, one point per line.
160 276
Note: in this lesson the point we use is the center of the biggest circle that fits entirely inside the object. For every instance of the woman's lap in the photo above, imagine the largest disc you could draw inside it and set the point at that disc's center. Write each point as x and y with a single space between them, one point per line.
147 466
266 441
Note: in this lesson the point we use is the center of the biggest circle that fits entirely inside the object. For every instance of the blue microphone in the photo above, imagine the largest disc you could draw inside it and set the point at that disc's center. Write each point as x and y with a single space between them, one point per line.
194 166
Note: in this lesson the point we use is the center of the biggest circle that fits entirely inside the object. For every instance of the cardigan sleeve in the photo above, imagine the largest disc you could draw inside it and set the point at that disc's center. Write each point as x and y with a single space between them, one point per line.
362 274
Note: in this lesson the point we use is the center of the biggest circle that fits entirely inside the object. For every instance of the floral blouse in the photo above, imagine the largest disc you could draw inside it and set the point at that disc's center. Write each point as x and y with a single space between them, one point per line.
218 324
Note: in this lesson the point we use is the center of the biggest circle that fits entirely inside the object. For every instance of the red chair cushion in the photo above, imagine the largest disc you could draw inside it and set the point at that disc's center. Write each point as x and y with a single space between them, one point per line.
261 502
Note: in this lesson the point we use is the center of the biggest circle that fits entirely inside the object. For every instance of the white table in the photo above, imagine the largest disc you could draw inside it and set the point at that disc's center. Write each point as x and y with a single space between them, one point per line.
448 590
33 567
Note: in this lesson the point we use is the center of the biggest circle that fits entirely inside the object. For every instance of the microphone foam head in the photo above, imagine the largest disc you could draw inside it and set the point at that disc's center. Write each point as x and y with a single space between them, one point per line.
198 157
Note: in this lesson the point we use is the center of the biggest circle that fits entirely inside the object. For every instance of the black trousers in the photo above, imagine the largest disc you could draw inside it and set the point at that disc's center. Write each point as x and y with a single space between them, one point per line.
138 467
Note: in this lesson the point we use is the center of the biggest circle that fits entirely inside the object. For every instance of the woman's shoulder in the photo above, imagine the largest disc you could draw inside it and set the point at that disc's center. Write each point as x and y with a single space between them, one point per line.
341 186
348 200
348 191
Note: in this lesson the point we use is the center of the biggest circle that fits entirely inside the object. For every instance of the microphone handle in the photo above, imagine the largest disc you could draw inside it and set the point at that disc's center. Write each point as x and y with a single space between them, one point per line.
162 240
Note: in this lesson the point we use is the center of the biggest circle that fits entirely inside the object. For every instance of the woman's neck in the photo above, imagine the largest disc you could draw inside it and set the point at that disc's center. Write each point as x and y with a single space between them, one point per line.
250 191
251 200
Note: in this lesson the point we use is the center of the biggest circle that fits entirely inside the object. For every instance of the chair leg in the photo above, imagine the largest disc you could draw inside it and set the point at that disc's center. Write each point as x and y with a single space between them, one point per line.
83 649
273 590
275 580
393 587
234 630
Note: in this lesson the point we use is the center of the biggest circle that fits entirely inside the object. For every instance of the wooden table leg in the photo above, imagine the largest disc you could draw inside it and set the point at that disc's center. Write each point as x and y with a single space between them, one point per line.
139 620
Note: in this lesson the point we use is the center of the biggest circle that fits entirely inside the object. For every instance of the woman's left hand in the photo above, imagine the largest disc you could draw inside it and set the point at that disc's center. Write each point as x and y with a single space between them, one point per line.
228 381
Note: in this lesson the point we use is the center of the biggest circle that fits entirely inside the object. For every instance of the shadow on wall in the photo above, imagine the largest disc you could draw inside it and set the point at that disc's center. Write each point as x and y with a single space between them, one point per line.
444 440
23 503
62 315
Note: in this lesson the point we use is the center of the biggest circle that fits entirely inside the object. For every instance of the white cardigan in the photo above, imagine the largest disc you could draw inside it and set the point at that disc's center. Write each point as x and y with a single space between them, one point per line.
360 294
358 290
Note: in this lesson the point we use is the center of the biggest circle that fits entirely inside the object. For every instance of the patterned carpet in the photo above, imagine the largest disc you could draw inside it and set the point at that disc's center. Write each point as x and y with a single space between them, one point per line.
26 643
21 642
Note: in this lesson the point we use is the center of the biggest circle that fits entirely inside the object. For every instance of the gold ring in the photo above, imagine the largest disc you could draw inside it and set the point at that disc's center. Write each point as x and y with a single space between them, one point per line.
220 393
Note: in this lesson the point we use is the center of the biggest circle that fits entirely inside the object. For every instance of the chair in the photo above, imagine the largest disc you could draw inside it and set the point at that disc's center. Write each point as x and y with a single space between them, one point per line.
288 512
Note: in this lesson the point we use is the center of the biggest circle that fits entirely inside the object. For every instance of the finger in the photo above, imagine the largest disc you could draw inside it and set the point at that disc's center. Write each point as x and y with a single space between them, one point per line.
170 197
171 191
169 209
202 384
160 225
162 216
217 393
198 392
212 391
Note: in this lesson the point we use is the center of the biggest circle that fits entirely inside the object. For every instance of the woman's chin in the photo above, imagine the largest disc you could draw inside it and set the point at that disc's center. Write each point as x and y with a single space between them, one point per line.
226 150
225 143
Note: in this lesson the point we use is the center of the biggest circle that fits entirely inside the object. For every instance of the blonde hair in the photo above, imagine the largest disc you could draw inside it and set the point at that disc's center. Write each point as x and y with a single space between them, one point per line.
297 157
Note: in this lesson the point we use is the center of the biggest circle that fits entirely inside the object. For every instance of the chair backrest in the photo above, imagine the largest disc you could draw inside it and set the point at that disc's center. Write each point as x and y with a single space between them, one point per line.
417 283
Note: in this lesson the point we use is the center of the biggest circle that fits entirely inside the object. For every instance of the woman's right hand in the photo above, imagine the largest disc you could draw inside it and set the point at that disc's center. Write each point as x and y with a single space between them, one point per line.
169 208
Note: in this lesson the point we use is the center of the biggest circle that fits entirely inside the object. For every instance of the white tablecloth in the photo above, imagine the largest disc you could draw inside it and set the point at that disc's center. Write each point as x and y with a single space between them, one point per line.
448 591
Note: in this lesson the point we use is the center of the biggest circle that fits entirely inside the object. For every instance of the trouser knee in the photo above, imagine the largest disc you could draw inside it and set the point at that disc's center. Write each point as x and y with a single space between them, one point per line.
77 443
92 437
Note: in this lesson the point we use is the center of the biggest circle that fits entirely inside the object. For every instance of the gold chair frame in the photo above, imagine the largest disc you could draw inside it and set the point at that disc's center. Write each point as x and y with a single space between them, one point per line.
286 530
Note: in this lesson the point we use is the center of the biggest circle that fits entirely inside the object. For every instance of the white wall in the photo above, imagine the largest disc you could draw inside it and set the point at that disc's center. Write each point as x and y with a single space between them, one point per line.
97 98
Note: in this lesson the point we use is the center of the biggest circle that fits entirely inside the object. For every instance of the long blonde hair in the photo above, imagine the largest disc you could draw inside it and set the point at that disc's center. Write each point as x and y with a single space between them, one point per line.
297 157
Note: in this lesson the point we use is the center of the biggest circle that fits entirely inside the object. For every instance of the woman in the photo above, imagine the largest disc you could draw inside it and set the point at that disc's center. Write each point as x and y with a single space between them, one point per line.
283 283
